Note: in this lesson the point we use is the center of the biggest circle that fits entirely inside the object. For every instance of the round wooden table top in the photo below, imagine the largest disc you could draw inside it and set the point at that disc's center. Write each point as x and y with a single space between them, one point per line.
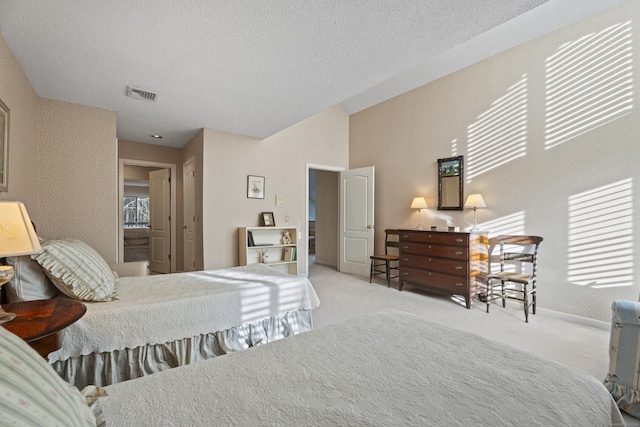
38 319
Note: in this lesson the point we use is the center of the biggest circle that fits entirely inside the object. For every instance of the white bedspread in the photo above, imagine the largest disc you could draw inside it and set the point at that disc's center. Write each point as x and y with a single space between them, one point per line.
381 370
162 308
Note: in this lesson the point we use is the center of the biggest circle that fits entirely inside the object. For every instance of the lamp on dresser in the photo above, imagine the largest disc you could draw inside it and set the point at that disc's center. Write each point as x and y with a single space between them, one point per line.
17 237
474 201
419 203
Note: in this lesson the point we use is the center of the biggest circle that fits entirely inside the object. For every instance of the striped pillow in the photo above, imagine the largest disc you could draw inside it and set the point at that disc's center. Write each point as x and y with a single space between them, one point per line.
32 393
77 270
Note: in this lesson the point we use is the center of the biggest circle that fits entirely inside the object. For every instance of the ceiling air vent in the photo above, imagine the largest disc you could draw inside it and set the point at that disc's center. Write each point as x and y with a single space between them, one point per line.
145 95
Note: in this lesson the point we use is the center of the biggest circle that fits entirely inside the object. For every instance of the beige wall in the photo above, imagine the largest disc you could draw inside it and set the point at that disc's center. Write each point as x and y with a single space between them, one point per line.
78 174
16 92
404 137
62 162
282 159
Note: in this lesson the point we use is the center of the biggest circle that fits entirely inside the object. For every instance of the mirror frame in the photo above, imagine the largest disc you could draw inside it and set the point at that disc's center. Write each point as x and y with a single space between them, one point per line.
442 163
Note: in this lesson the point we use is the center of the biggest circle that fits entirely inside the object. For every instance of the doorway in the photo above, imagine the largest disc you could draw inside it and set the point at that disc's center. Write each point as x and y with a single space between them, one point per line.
322 215
136 185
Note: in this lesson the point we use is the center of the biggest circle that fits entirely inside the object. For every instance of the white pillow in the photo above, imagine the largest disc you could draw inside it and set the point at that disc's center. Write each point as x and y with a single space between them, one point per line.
77 270
29 283
32 393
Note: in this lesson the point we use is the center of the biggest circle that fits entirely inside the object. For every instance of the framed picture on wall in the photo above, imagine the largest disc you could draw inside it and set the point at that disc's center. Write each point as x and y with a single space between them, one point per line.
4 146
266 218
255 187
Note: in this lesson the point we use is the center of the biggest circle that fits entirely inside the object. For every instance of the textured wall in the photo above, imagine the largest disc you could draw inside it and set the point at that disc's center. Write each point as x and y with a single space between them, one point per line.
22 101
499 114
78 174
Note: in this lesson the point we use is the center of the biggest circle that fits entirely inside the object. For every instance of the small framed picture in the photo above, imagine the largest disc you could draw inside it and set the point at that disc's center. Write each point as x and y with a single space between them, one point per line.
255 187
267 219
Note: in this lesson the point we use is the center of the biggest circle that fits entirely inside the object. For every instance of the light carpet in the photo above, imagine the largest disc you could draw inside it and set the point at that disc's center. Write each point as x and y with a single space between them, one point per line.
581 346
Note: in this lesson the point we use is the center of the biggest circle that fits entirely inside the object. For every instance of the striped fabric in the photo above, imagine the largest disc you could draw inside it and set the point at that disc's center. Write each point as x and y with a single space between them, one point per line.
623 378
32 394
77 270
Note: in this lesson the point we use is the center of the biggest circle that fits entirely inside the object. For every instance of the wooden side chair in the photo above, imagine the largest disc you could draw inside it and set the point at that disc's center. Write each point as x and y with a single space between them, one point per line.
519 281
385 264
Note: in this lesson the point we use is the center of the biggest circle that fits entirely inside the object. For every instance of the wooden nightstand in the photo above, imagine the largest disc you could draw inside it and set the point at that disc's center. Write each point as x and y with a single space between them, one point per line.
41 323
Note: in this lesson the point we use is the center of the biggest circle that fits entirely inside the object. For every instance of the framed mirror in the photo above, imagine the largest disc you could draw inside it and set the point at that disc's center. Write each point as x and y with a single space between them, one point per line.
450 183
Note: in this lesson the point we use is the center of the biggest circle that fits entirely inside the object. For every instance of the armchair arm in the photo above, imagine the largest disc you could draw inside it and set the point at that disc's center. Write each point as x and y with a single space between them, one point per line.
627 312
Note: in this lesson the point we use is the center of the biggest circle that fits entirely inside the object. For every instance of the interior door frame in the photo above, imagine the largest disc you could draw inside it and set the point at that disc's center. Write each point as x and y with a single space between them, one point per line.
133 162
305 239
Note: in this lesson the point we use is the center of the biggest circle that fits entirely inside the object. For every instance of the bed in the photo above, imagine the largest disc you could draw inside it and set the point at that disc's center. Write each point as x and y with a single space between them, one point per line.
390 368
164 321
135 326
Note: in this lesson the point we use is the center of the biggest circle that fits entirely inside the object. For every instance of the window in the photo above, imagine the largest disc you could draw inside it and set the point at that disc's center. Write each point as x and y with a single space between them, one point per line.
136 211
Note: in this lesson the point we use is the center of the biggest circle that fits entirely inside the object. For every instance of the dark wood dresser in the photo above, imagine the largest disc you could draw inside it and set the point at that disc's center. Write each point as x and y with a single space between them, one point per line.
443 262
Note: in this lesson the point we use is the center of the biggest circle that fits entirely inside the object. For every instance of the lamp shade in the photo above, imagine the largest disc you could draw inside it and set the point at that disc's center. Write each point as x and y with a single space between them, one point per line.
17 236
419 203
475 201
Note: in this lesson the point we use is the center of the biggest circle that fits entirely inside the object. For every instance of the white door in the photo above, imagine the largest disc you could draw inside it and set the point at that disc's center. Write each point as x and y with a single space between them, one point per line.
356 220
160 221
189 228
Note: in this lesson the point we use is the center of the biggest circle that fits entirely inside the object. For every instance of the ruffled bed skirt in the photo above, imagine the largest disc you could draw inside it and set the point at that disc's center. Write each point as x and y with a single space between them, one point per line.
626 398
106 368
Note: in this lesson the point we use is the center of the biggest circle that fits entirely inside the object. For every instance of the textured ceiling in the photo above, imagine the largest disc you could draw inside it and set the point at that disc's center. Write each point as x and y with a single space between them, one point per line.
250 67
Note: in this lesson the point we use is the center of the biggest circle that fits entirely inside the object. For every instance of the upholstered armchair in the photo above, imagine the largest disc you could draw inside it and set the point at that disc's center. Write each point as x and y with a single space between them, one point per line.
624 356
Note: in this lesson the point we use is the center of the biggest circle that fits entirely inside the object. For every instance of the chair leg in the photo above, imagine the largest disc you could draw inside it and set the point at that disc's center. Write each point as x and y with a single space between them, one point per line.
489 294
526 303
502 294
534 293
388 267
371 272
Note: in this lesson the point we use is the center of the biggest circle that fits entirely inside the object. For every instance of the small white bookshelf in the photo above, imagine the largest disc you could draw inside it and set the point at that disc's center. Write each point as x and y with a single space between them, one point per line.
269 239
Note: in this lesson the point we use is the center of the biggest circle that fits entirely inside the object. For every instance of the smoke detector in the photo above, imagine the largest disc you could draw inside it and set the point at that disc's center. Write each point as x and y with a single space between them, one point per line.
145 95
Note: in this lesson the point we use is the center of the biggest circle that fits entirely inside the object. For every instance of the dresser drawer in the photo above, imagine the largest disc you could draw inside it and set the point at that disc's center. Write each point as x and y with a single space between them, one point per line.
438 237
426 249
453 284
448 266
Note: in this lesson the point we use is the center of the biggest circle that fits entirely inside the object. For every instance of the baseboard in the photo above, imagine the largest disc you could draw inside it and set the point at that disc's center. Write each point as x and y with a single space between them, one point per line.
576 319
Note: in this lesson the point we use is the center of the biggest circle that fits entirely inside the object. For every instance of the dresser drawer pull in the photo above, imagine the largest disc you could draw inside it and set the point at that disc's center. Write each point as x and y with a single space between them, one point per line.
458 240
430 260
458 284
430 236
404 236
458 267
404 273
405 259
459 252
430 246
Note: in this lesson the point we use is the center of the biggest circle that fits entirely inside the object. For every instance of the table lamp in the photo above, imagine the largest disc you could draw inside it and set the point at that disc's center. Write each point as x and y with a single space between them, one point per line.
17 237
419 203
474 201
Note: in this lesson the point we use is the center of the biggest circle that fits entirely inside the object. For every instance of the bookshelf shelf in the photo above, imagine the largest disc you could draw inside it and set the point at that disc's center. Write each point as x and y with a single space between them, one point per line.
253 240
